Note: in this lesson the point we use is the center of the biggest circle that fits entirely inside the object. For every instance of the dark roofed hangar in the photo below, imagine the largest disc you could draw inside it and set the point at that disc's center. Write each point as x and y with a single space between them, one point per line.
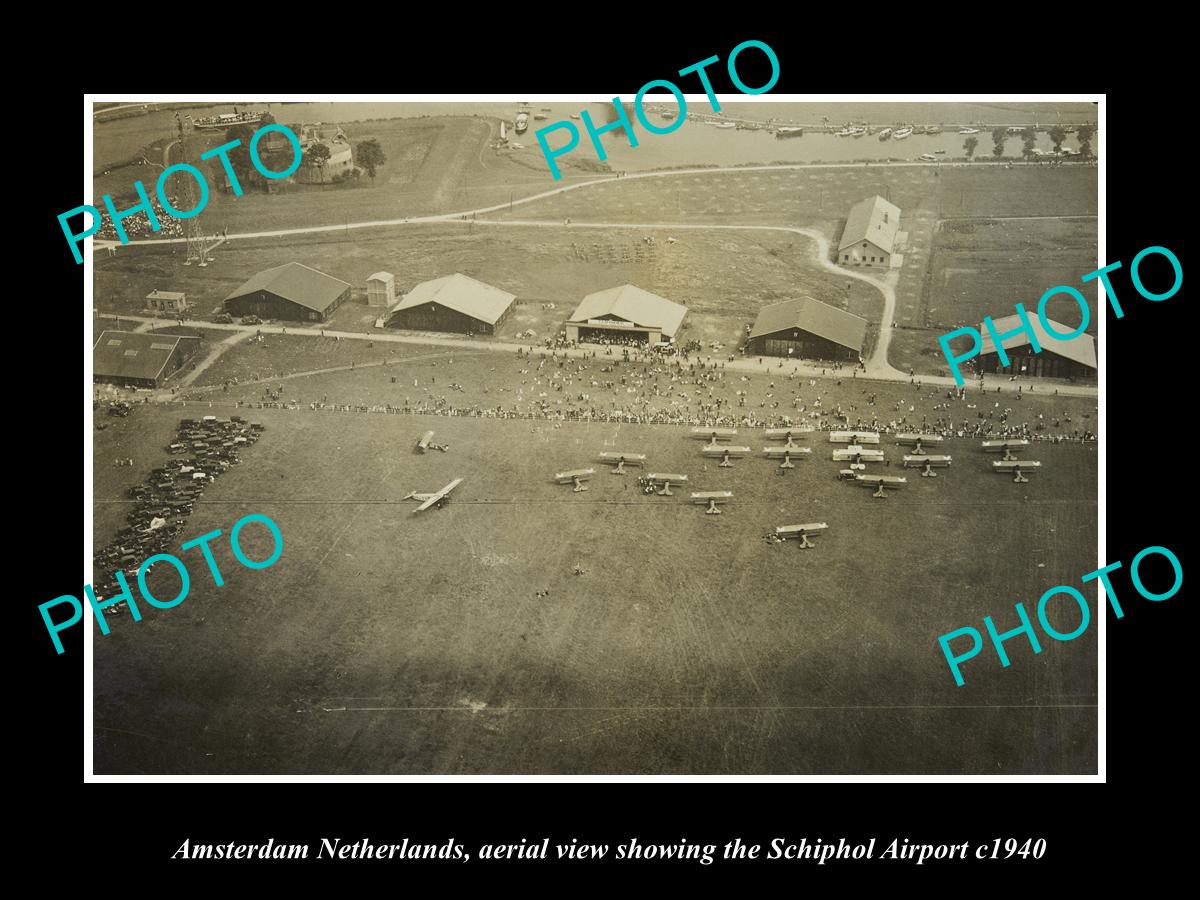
136 359
291 291
807 329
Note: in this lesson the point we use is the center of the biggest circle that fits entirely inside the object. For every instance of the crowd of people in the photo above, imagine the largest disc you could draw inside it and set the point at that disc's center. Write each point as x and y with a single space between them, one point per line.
641 387
138 224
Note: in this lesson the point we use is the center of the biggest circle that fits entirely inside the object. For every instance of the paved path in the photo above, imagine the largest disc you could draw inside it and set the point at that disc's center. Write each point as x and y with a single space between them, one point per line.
499 207
217 352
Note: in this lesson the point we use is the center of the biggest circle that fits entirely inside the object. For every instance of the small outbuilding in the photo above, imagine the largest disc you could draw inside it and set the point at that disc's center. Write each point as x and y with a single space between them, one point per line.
381 289
167 301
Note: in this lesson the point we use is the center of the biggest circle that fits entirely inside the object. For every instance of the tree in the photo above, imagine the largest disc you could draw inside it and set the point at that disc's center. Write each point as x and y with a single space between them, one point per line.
1085 140
370 156
315 157
999 135
1057 135
1029 135
970 144
239 156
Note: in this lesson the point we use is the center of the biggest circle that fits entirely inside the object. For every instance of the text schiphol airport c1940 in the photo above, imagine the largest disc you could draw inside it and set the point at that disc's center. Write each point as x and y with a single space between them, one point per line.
221 152
126 595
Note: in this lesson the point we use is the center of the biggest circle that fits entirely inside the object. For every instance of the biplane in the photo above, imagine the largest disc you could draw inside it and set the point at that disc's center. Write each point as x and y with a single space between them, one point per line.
927 464
1007 446
854 437
714 434
712 498
787 433
879 481
786 452
1016 467
725 453
575 477
620 459
803 532
858 456
661 480
438 498
916 440
426 442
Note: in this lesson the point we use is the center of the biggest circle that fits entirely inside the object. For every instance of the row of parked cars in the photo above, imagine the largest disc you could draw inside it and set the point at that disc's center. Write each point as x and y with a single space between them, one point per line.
225 319
202 450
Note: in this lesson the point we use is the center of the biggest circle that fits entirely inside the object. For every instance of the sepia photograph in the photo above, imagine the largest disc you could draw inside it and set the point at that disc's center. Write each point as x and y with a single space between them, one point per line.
463 437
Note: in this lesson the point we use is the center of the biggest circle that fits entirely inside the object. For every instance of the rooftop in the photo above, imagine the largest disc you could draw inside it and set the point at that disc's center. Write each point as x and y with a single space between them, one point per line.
874 220
632 304
299 283
461 294
815 317
1080 349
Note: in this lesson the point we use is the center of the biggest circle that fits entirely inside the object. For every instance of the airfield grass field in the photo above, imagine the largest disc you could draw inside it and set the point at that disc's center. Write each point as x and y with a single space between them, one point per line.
723 278
384 641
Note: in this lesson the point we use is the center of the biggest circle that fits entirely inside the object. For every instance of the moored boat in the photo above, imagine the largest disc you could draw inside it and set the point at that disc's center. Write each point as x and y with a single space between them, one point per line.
228 120
902 133
885 134
789 132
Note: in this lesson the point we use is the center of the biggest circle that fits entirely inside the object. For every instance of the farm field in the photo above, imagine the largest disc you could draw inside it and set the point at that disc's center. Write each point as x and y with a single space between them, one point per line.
386 642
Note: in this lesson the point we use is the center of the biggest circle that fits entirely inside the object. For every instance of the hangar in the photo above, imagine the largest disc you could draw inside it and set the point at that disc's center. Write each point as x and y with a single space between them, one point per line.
1074 358
454 303
624 313
137 359
809 329
869 238
291 291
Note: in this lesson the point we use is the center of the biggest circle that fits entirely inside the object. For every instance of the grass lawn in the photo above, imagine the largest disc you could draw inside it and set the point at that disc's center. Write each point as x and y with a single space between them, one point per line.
387 642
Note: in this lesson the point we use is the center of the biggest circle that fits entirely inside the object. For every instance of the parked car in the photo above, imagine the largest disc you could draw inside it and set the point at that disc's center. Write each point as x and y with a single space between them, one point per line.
251 320
223 318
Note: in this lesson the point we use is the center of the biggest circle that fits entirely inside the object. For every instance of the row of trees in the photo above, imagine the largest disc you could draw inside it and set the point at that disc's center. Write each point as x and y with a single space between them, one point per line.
1029 140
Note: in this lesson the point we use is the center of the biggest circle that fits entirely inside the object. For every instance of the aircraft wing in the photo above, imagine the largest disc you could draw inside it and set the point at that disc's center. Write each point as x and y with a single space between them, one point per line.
435 497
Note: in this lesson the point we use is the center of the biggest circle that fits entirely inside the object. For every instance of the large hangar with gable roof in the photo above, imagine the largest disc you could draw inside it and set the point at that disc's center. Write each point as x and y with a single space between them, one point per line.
807 329
454 303
292 291
625 312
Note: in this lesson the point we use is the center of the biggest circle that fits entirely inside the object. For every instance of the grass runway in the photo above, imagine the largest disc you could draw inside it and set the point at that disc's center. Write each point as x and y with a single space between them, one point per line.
386 642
